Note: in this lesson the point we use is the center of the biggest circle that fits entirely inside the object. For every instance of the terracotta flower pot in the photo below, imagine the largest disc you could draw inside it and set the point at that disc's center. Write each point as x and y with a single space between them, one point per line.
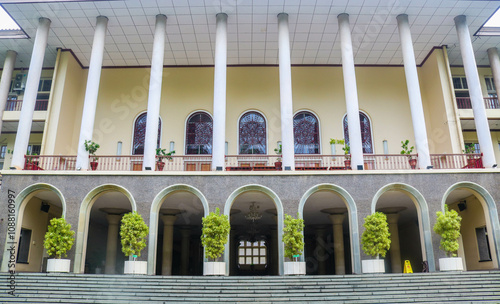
347 164
160 166
413 163
93 165
278 165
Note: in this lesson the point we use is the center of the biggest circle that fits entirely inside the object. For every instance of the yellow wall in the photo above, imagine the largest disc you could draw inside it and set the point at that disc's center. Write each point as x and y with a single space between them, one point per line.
9 140
471 137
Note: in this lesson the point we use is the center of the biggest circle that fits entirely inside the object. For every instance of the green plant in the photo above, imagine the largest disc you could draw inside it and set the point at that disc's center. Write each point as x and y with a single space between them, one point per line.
161 153
292 237
448 227
406 149
376 237
91 147
133 232
278 151
214 233
347 150
469 149
59 238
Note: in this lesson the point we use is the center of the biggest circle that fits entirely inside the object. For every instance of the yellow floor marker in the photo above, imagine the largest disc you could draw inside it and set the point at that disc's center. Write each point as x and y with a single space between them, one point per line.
407 267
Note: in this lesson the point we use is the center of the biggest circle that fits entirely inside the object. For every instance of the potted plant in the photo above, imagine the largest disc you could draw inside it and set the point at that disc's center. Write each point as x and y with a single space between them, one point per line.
347 150
407 151
278 164
471 160
294 245
58 240
31 161
375 241
133 233
214 236
92 147
448 227
161 154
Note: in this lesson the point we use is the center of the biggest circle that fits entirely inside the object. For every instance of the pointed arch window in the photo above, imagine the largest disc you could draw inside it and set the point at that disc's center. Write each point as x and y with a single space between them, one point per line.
252 132
366 133
199 133
140 134
306 133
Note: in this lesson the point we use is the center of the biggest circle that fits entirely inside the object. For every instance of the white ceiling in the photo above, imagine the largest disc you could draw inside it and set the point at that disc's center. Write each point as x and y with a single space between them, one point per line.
469 124
252 29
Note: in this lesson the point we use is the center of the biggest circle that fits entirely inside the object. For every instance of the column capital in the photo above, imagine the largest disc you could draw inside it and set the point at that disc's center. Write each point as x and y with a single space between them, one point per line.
168 219
402 17
11 52
392 218
102 18
283 16
460 19
221 16
343 16
337 219
113 219
44 20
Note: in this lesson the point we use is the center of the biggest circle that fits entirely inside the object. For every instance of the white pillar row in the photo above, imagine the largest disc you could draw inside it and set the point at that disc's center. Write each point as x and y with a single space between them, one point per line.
286 103
219 130
396 265
185 240
338 242
112 242
351 92
8 68
476 95
417 110
495 67
91 93
154 99
168 243
30 93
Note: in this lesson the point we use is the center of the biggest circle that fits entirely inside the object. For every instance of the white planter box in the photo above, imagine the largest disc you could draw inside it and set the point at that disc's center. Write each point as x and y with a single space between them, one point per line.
136 267
373 266
451 264
214 268
58 265
295 268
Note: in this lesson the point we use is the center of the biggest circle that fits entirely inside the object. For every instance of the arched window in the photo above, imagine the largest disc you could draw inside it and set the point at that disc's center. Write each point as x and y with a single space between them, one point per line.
366 133
252 133
140 134
199 130
306 133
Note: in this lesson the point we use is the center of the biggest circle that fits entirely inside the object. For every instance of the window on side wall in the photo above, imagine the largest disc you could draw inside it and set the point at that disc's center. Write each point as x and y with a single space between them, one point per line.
460 86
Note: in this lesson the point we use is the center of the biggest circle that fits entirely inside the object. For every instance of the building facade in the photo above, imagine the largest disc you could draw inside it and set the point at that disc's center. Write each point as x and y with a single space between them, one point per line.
252 102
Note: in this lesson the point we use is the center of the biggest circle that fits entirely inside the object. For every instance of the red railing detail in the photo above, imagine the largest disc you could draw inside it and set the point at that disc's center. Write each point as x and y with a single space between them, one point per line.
46 162
457 161
16 105
489 103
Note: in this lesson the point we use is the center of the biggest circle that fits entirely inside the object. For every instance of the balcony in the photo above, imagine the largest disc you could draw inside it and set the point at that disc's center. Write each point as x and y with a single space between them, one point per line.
303 162
489 103
16 105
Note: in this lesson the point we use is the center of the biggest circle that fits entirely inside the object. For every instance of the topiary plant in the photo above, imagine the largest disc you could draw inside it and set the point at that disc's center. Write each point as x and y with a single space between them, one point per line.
448 227
376 237
214 233
292 237
59 238
91 147
133 233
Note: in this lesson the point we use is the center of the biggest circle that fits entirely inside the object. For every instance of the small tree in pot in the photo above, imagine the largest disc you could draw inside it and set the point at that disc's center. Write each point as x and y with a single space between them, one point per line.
161 154
294 245
92 147
448 227
58 240
375 241
407 151
133 233
278 164
471 160
214 236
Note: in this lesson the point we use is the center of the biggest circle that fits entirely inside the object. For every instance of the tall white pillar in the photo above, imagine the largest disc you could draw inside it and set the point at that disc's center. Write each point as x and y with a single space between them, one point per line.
168 243
112 243
8 68
29 100
153 116
286 103
417 110
219 130
495 67
476 95
351 92
90 102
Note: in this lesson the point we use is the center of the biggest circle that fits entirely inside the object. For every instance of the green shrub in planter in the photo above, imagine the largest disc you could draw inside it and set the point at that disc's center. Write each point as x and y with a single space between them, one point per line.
448 227
59 238
133 233
214 234
376 237
292 237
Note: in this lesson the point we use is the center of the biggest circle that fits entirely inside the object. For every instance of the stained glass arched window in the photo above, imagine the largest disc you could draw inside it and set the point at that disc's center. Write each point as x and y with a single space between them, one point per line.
140 134
199 130
366 132
306 133
252 131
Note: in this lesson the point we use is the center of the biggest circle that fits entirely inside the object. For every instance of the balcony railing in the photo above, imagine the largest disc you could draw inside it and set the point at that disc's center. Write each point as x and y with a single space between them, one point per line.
489 103
255 162
16 105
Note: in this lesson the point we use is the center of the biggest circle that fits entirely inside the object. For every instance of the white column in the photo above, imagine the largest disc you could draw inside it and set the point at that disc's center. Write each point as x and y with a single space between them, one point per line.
168 243
8 68
29 100
219 131
153 116
417 110
90 102
338 242
112 243
495 67
351 92
476 95
286 103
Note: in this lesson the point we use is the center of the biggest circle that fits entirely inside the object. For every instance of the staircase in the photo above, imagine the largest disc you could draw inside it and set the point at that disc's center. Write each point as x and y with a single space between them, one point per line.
459 287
